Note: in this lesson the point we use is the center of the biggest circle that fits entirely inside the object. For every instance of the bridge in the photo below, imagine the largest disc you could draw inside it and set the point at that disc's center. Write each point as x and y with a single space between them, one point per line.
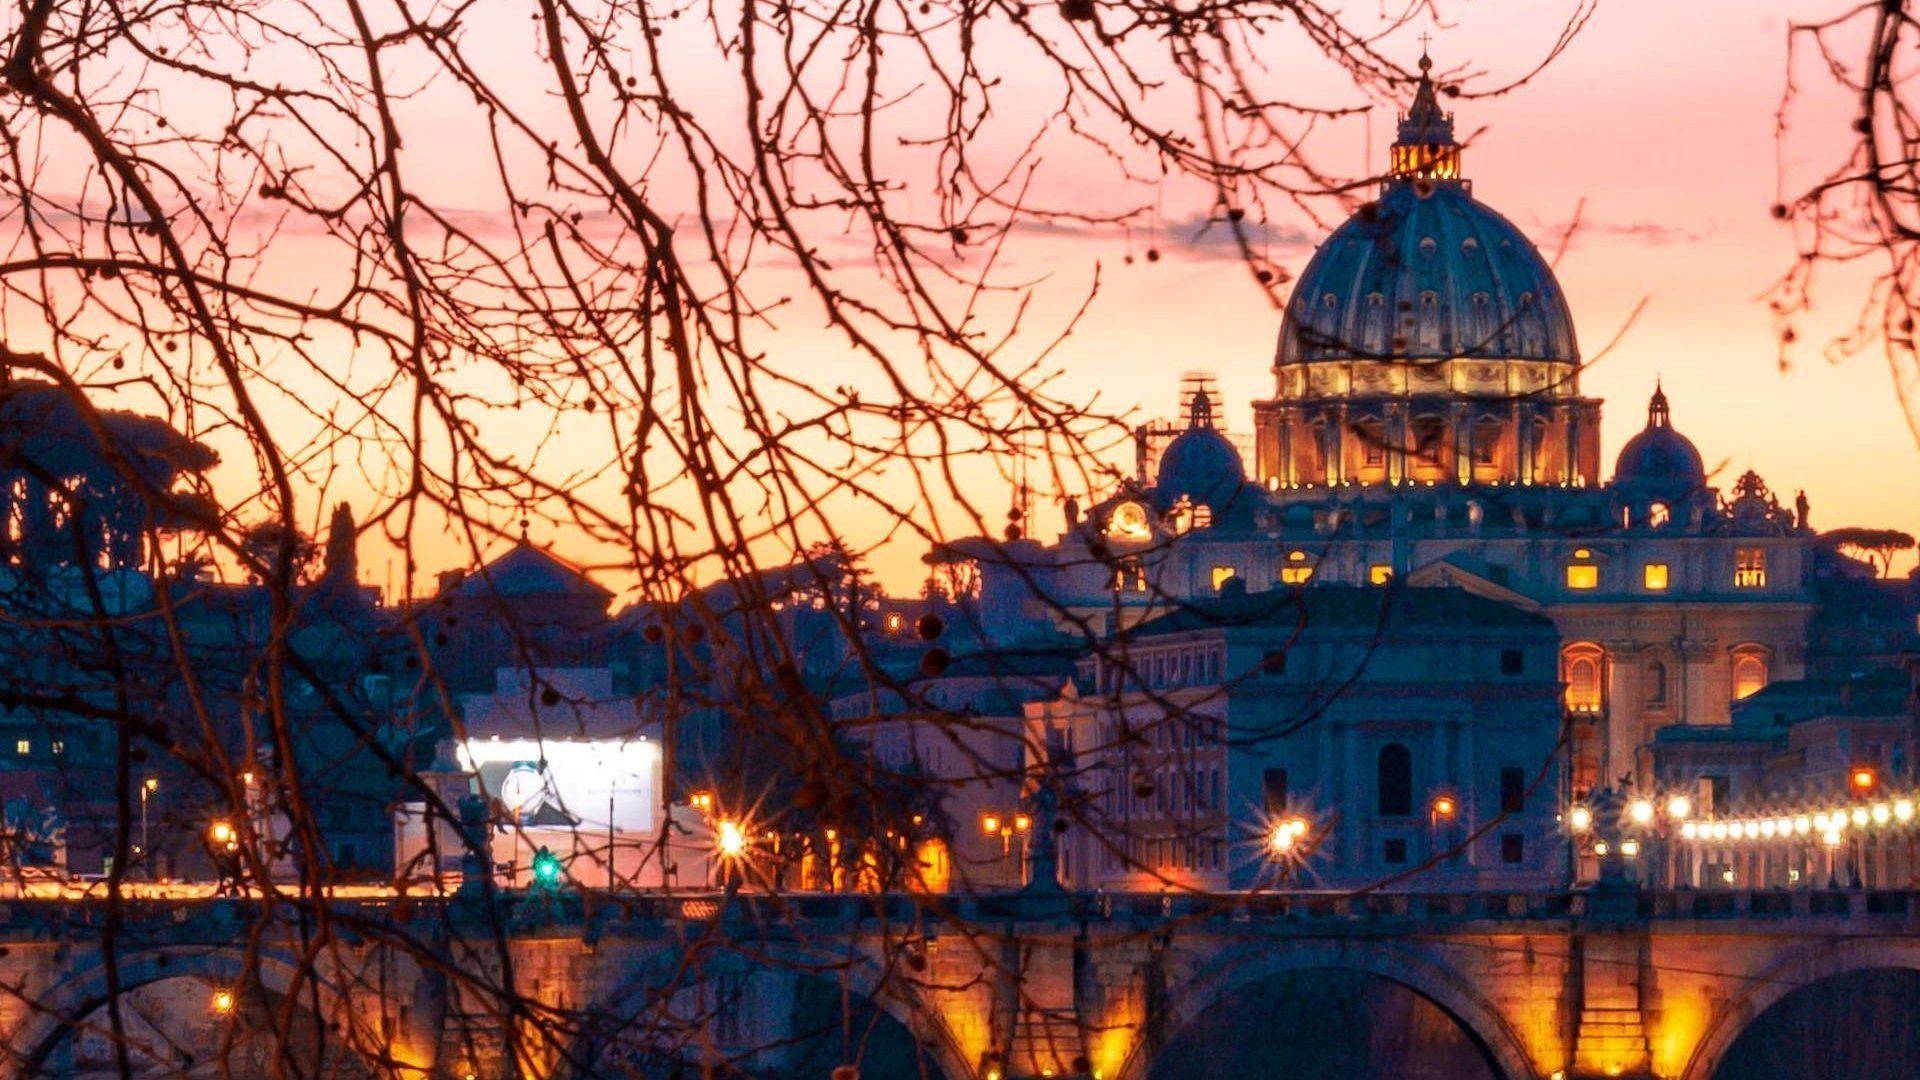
1524 986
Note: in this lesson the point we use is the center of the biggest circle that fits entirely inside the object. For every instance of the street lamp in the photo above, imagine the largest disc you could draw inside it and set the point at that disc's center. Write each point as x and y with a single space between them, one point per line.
147 788
994 823
223 1001
1285 836
730 839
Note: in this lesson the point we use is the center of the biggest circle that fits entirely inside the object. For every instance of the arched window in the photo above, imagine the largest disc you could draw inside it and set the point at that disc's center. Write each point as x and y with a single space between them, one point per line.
1749 670
1656 684
1395 779
1583 669
1486 440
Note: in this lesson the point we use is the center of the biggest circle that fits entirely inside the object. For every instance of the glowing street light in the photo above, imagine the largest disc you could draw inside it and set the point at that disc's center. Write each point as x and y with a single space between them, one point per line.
1280 840
1444 806
1285 836
221 832
1629 847
1640 811
730 839
223 1002
1679 808
1863 779
990 824
1022 822
1580 818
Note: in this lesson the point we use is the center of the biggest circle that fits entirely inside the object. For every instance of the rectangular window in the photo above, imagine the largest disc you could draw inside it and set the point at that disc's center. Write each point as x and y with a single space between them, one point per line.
1379 574
1221 574
59 747
1750 568
1295 575
1583 576
1273 783
23 746
1513 790
1655 577
1513 848
1394 852
1714 795
1512 661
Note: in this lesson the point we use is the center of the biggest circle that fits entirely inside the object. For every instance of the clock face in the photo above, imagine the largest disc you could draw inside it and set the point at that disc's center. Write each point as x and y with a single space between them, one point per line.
523 790
1128 522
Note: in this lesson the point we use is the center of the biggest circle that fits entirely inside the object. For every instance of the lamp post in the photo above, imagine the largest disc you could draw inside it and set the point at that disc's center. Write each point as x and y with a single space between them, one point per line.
1442 809
147 788
1005 825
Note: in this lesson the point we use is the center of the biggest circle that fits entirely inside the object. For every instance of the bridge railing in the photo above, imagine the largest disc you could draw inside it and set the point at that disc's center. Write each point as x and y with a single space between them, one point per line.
158 919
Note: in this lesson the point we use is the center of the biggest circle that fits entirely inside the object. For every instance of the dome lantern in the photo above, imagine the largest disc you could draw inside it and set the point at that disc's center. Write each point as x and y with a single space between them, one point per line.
1426 149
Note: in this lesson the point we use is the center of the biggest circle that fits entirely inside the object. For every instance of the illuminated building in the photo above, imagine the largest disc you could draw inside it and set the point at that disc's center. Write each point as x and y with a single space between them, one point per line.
1429 429
1449 719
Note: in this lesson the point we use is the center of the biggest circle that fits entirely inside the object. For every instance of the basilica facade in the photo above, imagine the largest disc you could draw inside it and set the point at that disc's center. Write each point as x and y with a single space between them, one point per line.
1428 431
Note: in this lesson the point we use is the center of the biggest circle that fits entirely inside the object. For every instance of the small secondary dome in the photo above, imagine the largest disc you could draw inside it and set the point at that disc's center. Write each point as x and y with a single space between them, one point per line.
1200 463
1660 460
1426 272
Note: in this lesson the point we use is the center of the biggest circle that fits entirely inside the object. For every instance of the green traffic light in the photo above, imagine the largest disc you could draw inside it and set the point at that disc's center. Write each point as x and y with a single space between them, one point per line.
546 867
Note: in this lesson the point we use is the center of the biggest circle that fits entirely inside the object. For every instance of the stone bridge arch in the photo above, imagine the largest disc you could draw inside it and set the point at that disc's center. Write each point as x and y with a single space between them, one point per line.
891 993
1244 964
67 1002
1809 964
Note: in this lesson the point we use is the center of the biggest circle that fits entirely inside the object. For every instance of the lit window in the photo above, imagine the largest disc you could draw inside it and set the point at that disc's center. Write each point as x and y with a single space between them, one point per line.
1749 671
1583 667
23 746
1655 576
1750 568
1583 576
894 622
1379 573
1222 574
1295 575
1658 515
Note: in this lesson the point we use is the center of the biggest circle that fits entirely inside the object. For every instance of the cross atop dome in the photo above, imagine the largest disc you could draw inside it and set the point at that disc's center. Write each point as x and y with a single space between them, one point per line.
1426 149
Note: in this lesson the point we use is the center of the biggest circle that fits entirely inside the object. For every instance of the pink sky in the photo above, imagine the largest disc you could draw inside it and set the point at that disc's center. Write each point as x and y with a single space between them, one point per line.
1660 118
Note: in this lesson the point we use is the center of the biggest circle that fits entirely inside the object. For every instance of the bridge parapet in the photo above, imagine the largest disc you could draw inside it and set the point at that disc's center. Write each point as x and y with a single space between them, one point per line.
1629 983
